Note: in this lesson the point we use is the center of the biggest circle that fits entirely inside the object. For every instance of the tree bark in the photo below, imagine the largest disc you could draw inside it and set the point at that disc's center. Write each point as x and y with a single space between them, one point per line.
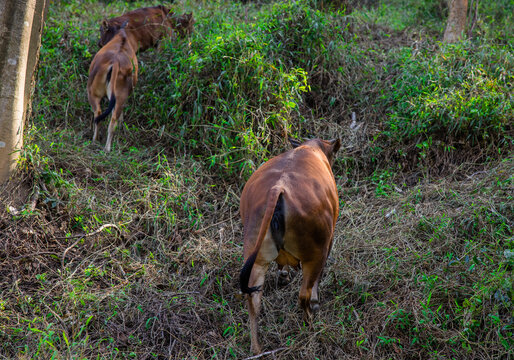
456 20
21 24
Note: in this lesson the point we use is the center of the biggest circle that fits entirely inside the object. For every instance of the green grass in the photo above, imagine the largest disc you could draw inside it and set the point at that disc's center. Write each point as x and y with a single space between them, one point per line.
136 253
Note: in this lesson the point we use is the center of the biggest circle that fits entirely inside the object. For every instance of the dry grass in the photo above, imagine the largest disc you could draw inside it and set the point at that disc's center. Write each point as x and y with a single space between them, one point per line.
136 253
133 290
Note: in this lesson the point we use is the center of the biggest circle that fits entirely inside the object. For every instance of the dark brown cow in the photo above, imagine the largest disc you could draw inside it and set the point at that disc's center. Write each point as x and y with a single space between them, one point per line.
147 25
289 208
113 72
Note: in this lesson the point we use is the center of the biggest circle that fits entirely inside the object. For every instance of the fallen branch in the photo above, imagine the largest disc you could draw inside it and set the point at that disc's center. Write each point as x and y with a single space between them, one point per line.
265 353
91 233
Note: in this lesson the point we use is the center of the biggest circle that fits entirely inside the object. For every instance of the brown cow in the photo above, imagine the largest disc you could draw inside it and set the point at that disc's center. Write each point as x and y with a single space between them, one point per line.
147 25
113 72
289 208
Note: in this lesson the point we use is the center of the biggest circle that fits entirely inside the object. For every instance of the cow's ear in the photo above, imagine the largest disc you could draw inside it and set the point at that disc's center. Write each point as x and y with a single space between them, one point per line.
335 144
105 24
165 10
295 143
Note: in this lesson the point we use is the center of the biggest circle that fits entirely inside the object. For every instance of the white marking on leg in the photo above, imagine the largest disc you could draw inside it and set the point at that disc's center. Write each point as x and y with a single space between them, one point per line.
109 139
110 132
95 132
314 296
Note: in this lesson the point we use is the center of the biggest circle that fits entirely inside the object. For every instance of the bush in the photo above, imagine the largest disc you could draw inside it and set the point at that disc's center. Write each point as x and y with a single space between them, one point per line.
458 94
225 96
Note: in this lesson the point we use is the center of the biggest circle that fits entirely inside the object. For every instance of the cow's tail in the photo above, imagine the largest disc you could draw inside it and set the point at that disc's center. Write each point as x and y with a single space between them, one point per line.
274 216
112 75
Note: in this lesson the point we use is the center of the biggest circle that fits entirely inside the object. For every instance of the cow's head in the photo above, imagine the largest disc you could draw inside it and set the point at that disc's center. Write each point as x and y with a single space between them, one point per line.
107 32
185 24
329 147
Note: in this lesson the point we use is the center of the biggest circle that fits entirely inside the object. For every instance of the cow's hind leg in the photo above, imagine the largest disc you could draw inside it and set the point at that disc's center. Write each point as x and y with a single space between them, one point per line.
311 274
315 296
95 106
117 115
315 293
254 302
110 131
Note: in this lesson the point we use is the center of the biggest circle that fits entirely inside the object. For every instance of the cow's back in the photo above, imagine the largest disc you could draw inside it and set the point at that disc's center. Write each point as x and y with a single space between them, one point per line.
146 25
308 185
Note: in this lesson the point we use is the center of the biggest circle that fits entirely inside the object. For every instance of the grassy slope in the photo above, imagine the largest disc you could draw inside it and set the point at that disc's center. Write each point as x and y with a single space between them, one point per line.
423 255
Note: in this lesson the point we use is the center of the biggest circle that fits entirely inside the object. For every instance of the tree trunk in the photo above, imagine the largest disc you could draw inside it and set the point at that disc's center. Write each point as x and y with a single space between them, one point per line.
456 20
21 24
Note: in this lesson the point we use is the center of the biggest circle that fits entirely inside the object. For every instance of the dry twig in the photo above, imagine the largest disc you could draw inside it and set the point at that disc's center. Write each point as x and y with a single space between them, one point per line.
265 353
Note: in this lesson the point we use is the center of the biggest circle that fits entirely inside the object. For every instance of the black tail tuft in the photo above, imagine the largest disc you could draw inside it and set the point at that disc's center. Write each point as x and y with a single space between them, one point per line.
244 276
106 113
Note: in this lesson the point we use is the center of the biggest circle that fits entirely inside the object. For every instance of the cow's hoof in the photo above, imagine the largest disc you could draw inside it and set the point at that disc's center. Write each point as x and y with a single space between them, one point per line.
283 278
315 308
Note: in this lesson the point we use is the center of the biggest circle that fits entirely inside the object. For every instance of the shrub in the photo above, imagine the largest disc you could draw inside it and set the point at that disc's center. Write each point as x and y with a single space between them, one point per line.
458 94
225 96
